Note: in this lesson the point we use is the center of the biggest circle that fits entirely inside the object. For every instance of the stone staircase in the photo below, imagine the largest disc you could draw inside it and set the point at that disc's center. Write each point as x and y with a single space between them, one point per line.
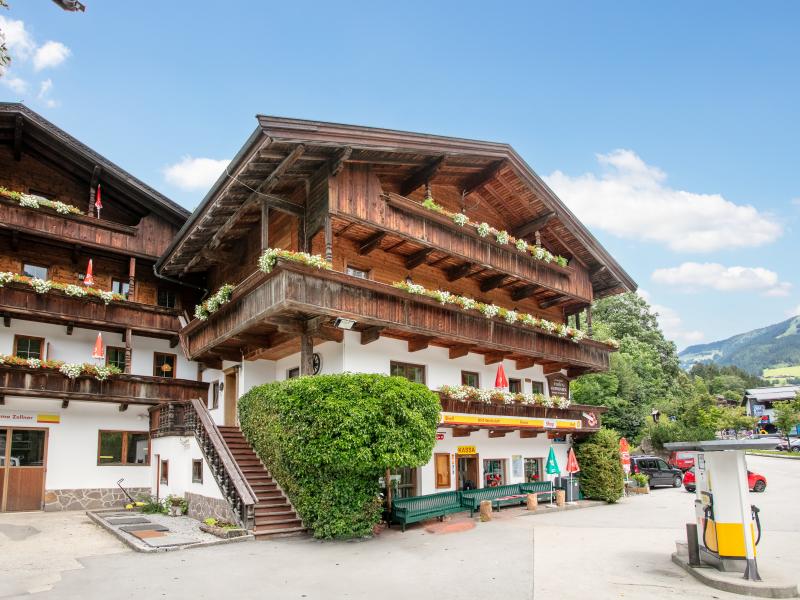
274 515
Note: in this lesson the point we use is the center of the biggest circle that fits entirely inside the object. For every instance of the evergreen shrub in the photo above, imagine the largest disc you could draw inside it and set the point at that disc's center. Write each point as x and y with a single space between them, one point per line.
601 475
327 440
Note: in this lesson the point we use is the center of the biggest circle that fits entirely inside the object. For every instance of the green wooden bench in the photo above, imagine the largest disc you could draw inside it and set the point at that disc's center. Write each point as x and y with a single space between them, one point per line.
419 508
540 488
510 494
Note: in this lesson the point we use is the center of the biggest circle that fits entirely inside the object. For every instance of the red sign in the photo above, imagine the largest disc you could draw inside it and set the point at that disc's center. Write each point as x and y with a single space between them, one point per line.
625 454
439 436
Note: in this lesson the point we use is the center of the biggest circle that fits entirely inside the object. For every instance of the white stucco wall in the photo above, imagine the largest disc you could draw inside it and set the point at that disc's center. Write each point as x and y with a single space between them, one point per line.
180 451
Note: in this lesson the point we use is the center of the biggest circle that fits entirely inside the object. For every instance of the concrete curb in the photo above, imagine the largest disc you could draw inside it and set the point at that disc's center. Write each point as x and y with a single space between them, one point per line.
789 457
92 514
713 578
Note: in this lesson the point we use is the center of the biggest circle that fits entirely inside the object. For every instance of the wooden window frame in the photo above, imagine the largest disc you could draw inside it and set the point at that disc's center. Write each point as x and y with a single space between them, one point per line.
436 456
169 291
477 376
163 471
537 383
292 370
124 452
33 264
43 347
519 381
406 364
174 365
196 461
123 282
124 356
214 400
367 272
504 463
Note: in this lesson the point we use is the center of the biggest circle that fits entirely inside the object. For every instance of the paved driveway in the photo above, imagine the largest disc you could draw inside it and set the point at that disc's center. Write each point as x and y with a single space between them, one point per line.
619 551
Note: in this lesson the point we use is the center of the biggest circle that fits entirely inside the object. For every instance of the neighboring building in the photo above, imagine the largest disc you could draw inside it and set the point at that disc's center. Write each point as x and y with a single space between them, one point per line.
354 195
760 402
65 443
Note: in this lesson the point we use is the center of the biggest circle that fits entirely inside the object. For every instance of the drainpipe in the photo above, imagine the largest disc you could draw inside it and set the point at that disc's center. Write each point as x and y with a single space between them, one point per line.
179 282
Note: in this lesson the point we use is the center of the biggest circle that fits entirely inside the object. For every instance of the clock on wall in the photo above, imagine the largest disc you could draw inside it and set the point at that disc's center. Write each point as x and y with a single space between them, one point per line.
316 363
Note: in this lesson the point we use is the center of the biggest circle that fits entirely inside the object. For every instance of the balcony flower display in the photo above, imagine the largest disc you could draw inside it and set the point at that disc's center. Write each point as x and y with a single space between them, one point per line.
34 201
473 394
41 286
267 261
212 304
502 236
70 370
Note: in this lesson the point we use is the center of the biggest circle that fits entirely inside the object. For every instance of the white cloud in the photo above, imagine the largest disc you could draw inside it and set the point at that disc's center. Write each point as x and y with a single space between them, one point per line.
672 324
44 93
19 42
194 173
632 200
49 55
16 84
692 276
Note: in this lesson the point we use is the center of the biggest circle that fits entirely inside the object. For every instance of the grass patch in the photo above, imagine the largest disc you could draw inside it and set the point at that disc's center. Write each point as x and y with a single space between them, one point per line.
791 371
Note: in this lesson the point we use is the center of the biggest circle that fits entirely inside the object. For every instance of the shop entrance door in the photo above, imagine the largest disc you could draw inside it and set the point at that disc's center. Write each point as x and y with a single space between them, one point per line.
22 467
467 472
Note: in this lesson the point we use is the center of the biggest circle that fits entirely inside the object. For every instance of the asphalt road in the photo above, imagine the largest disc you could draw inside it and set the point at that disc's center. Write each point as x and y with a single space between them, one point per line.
617 551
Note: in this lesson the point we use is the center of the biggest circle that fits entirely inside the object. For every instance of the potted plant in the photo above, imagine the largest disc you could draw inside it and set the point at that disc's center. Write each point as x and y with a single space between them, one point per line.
639 484
177 506
221 529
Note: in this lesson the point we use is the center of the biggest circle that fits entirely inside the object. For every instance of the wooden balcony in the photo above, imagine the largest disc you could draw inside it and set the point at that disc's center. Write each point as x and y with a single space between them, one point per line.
20 301
146 240
578 418
121 389
270 311
403 226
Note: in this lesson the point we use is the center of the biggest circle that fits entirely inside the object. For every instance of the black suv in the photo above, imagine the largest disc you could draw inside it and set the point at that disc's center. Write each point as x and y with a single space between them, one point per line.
657 471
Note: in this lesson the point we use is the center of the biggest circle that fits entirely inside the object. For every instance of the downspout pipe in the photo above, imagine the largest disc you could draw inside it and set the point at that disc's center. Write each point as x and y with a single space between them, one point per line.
179 282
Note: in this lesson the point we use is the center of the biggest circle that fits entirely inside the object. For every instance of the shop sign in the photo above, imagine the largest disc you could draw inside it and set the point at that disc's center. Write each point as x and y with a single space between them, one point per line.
466 450
591 419
558 384
24 418
439 436
758 410
492 420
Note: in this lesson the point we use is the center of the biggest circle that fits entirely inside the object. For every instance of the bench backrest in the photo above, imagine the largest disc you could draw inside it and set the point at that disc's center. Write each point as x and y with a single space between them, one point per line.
490 493
536 486
428 502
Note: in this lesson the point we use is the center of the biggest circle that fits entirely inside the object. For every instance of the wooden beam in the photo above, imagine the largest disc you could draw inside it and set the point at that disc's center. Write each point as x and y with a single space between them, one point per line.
328 333
264 226
527 433
132 279
597 270
573 372
2 399
463 431
6 321
123 406
128 339
490 283
371 243
370 334
306 354
328 238
173 341
337 162
459 351
535 225
418 258
498 433
526 291
554 301
493 358
551 368
70 327
64 404
480 179
18 124
418 343
525 363
421 176
456 273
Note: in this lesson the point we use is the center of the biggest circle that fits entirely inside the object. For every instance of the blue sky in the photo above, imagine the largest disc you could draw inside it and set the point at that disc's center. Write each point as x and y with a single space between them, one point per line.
671 129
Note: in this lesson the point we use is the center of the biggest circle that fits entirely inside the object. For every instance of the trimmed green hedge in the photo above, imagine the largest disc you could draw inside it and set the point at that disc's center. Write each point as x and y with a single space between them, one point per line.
601 475
327 440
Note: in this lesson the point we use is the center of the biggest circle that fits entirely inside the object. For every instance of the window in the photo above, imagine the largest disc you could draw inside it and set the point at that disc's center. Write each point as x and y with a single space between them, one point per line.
415 373
293 373
27 447
123 448
441 463
115 355
164 479
34 271
28 347
533 469
360 273
120 287
494 472
164 364
197 471
537 387
470 378
214 395
166 298
515 386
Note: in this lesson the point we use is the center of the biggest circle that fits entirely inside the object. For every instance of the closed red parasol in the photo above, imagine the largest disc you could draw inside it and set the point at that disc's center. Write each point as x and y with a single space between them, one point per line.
572 462
89 278
500 380
98 347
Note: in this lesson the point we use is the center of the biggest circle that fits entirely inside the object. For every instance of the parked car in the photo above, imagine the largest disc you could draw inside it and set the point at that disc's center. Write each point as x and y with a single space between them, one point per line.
657 470
681 460
793 445
755 481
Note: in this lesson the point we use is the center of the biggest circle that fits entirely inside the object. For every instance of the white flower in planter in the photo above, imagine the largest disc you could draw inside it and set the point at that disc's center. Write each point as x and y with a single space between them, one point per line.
547 402
511 316
40 286
106 297
548 326
522 245
483 229
502 237
34 363
75 290
468 303
101 373
562 402
490 310
62 208
71 370
29 201
460 219
6 277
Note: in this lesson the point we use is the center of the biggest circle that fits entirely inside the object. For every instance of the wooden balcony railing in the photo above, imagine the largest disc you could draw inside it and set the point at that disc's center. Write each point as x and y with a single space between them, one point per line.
19 300
292 289
123 389
400 216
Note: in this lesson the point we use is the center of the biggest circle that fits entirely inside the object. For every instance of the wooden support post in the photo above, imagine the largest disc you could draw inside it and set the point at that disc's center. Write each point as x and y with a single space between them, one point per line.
388 480
589 320
328 239
306 354
128 349
577 320
123 407
6 321
70 327
264 226
2 399
64 404
370 334
459 351
132 279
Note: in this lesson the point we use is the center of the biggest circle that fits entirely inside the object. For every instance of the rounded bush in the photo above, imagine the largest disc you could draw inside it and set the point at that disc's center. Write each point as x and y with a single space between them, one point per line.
601 475
328 439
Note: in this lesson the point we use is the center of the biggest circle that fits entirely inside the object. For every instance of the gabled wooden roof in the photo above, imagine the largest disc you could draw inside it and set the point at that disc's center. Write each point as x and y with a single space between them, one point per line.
491 171
29 132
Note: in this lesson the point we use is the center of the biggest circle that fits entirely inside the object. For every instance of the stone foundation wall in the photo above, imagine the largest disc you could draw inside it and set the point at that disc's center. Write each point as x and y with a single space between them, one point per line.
203 507
90 498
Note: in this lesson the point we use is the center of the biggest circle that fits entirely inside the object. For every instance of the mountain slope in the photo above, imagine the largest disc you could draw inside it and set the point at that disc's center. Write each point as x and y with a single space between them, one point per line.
759 349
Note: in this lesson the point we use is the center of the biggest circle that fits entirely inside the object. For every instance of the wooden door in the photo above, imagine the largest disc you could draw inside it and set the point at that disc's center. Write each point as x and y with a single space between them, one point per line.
22 468
231 397
467 470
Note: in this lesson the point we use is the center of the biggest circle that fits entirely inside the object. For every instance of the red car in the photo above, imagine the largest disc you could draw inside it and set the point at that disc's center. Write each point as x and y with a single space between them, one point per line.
756 482
681 460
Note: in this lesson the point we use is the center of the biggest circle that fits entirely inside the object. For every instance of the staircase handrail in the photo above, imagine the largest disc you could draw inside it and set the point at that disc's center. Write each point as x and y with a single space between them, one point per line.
246 494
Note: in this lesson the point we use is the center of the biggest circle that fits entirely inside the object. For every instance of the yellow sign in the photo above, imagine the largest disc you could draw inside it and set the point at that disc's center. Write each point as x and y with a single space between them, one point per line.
466 450
48 418
491 420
